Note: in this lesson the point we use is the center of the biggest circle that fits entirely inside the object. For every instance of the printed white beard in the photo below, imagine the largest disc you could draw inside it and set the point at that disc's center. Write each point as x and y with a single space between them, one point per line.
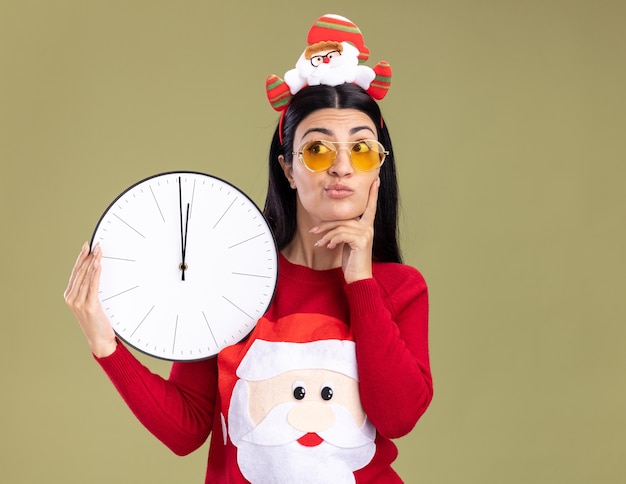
270 453
331 76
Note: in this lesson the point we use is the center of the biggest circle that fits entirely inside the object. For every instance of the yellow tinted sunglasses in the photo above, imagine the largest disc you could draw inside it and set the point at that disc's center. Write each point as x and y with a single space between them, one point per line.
319 155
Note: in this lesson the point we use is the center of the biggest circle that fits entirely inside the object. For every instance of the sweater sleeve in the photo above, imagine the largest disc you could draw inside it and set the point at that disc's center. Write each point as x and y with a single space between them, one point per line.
390 326
177 410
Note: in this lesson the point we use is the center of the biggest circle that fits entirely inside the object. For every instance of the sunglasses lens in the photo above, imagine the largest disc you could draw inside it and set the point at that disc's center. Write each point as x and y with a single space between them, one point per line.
318 156
368 155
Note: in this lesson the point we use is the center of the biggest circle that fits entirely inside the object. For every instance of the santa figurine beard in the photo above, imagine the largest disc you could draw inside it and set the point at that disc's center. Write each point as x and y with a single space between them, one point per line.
340 69
270 451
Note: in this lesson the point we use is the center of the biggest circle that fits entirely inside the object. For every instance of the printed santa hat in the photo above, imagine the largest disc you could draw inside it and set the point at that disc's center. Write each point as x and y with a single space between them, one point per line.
266 359
296 342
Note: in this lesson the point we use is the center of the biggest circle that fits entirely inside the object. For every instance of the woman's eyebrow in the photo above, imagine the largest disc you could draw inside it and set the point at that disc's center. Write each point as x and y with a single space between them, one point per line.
325 131
328 132
361 128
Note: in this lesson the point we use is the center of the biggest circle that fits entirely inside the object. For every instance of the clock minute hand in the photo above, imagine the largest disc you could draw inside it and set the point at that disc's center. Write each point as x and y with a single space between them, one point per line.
183 229
184 267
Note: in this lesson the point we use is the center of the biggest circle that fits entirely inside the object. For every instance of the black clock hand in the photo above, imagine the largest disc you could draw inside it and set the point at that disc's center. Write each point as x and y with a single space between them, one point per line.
183 229
185 243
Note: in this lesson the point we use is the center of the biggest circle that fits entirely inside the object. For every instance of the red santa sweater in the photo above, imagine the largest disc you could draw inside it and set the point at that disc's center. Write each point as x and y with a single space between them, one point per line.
388 317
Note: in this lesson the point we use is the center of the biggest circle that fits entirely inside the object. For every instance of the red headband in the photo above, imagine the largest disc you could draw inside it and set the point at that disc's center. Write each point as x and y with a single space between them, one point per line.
334 53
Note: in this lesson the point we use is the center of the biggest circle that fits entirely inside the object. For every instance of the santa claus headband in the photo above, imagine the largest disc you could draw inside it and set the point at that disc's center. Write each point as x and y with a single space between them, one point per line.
334 55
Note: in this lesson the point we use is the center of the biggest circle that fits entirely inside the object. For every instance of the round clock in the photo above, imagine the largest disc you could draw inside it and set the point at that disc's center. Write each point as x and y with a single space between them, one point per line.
189 265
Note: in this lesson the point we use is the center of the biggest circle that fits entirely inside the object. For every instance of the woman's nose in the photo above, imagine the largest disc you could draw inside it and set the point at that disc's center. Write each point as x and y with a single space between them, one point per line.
343 164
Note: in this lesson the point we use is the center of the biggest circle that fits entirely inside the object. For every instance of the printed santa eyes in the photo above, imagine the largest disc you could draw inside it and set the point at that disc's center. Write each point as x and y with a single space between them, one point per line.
327 392
299 391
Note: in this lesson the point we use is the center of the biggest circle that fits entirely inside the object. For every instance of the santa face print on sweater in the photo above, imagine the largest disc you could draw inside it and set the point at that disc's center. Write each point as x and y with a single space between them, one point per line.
304 424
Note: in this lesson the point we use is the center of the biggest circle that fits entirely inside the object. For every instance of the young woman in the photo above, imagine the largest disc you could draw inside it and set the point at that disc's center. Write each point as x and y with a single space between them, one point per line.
339 365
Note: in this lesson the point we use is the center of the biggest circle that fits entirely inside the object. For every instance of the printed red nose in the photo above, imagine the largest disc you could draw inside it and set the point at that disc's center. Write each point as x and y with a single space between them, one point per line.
310 440
326 60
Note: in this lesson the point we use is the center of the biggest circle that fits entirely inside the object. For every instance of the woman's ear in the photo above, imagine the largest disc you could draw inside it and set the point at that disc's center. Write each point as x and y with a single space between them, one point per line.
287 170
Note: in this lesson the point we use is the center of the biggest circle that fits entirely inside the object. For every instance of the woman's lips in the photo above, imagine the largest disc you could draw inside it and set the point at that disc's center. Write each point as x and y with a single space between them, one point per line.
337 190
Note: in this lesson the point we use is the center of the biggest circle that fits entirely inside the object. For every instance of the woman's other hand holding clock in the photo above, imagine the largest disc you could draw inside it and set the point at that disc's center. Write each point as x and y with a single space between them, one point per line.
81 296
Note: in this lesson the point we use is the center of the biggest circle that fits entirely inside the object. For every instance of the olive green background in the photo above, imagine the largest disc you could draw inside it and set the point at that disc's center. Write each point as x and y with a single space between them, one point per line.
508 120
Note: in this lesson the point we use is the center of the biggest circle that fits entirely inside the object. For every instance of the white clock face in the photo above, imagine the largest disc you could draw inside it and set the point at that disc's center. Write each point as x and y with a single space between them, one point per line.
189 265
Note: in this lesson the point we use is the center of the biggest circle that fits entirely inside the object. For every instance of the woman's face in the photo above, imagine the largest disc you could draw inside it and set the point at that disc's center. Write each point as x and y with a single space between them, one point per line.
340 192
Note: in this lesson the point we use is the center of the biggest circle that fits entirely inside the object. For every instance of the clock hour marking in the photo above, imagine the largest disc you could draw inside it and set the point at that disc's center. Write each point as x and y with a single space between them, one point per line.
141 322
119 258
157 204
225 211
209 326
175 330
244 241
120 293
237 307
193 194
250 275
130 226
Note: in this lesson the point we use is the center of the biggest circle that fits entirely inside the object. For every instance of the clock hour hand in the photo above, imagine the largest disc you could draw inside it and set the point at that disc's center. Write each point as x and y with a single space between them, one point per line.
183 230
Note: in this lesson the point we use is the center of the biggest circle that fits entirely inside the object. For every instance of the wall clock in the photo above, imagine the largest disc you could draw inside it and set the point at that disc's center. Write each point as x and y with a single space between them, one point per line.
189 265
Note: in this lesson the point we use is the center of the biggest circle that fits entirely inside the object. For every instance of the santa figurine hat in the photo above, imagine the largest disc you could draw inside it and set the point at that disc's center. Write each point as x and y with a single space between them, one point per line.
337 28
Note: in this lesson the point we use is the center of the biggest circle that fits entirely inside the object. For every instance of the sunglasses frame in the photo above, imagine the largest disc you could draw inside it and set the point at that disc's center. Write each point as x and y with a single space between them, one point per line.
337 149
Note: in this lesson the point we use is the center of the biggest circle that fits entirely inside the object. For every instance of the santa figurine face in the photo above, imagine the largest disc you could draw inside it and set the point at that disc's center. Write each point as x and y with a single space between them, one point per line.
329 63
322 52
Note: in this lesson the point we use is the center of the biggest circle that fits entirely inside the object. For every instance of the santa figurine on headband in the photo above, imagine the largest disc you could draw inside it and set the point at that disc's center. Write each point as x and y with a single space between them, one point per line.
334 55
